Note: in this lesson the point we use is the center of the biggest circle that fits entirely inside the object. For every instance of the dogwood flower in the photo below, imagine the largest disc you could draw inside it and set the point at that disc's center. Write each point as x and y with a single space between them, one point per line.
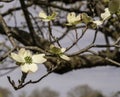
59 51
28 62
106 15
72 19
46 18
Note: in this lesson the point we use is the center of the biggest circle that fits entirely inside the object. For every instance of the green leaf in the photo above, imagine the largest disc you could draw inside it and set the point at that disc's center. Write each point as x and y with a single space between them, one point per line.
86 19
55 50
53 16
46 18
114 6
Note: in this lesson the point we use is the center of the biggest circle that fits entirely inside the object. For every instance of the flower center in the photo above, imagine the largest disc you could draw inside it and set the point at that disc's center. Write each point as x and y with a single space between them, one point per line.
28 59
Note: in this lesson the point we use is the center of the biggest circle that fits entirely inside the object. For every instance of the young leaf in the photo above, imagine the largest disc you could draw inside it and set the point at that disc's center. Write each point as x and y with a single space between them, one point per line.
114 6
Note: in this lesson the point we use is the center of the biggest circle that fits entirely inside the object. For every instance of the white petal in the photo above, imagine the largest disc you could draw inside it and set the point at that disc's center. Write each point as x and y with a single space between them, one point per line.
42 15
98 22
25 68
38 58
78 18
65 57
29 68
106 14
21 52
33 67
63 50
27 53
17 58
71 17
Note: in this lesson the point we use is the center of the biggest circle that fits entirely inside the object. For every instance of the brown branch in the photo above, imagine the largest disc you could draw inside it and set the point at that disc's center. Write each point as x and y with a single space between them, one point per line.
6 54
21 82
28 20
86 61
38 2
77 62
6 1
65 1
74 43
7 31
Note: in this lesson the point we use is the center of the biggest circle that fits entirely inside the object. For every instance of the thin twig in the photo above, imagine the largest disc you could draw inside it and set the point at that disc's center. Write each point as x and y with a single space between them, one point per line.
21 85
74 43
6 54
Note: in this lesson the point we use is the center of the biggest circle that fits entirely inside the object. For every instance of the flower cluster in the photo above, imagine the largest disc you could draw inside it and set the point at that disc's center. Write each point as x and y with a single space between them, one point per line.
73 19
27 61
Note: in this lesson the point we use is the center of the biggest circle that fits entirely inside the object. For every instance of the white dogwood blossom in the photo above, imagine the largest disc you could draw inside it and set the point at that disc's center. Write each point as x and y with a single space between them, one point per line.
46 18
28 62
72 19
106 15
